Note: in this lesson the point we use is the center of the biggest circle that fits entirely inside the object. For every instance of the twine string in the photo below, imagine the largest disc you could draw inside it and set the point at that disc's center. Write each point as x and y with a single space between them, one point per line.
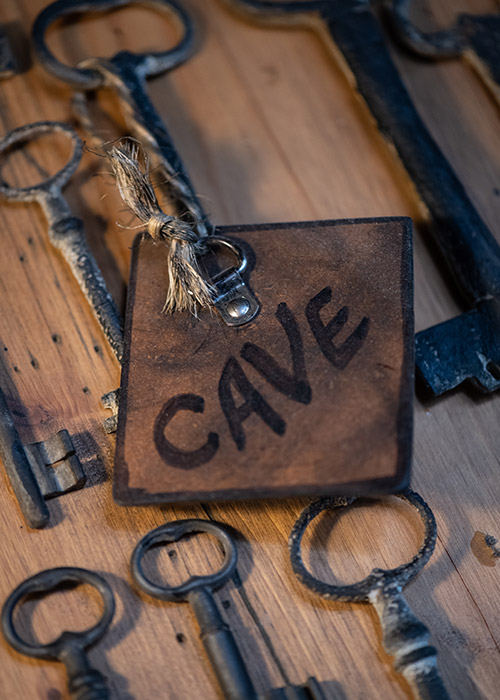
187 288
180 191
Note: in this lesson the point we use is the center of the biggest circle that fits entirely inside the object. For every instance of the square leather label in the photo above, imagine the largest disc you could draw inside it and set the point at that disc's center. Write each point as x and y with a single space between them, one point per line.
312 397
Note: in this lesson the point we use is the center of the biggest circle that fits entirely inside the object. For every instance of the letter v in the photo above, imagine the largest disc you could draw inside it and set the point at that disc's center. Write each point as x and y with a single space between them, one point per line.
294 385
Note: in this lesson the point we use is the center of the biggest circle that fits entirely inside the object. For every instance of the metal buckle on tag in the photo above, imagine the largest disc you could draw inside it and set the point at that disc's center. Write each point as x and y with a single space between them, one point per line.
234 300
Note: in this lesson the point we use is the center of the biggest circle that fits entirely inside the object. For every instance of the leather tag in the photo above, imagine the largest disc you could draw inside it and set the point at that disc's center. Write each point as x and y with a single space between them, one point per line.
314 396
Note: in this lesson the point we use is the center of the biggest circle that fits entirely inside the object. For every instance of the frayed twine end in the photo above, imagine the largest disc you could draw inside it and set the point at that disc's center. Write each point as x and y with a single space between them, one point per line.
187 288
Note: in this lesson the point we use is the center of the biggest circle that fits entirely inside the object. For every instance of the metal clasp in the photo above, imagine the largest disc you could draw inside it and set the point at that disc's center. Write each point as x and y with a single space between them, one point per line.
234 300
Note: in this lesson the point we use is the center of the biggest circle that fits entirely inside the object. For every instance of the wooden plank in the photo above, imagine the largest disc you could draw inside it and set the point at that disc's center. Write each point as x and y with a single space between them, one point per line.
271 131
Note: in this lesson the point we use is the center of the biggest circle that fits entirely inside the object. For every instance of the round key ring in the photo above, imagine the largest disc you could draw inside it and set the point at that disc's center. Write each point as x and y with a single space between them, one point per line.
54 183
173 532
360 591
146 64
46 582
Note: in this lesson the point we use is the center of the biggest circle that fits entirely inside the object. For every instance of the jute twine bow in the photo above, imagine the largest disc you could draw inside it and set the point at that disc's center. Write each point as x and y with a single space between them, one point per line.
187 289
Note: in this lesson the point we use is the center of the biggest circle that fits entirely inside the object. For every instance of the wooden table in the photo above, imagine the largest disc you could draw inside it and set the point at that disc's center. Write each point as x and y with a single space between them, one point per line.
271 130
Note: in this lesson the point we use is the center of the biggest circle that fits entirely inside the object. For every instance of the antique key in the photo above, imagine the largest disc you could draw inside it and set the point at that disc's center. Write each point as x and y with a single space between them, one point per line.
466 348
218 640
65 230
404 636
84 682
126 73
51 467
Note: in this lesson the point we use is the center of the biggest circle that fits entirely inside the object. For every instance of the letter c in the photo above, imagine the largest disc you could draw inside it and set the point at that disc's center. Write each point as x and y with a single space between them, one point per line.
172 455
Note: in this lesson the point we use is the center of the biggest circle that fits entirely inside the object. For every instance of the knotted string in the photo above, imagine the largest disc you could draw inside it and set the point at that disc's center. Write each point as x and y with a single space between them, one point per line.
187 289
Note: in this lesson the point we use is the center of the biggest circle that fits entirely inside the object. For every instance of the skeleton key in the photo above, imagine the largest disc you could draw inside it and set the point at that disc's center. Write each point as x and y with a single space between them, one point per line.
467 246
218 640
65 230
84 682
404 636
126 73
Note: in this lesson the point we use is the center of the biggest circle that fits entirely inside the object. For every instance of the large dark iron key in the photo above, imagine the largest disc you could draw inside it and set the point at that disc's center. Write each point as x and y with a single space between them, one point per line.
216 635
468 248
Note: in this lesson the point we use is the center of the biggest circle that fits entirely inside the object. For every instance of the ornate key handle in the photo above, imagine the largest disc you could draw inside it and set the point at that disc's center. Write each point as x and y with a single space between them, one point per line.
50 188
404 636
146 64
173 532
84 682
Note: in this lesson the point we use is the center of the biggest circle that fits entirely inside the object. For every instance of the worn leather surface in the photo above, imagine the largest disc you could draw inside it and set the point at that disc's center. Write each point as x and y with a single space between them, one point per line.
314 396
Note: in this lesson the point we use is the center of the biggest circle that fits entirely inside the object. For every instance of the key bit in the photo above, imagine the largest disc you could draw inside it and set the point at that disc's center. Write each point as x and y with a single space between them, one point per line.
38 471
465 348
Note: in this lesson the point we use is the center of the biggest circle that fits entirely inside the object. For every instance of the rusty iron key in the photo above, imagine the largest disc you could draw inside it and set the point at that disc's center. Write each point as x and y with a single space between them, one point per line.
467 348
404 636
65 230
215 633
126 73
51 467
84 682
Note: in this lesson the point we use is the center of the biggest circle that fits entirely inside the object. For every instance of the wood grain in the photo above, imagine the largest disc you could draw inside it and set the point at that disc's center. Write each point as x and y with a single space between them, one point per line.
270 130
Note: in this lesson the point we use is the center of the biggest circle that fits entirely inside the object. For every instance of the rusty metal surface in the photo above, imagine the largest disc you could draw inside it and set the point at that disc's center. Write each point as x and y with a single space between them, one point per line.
38 471
404 636
66 232
314 396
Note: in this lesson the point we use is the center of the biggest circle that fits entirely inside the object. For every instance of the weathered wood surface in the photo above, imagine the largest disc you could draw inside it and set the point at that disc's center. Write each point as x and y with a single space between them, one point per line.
271 131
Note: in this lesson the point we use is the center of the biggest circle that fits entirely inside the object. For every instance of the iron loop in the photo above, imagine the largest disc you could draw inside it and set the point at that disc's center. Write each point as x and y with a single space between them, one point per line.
43 583
214 241
172 532
28 132
147 64
359 592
